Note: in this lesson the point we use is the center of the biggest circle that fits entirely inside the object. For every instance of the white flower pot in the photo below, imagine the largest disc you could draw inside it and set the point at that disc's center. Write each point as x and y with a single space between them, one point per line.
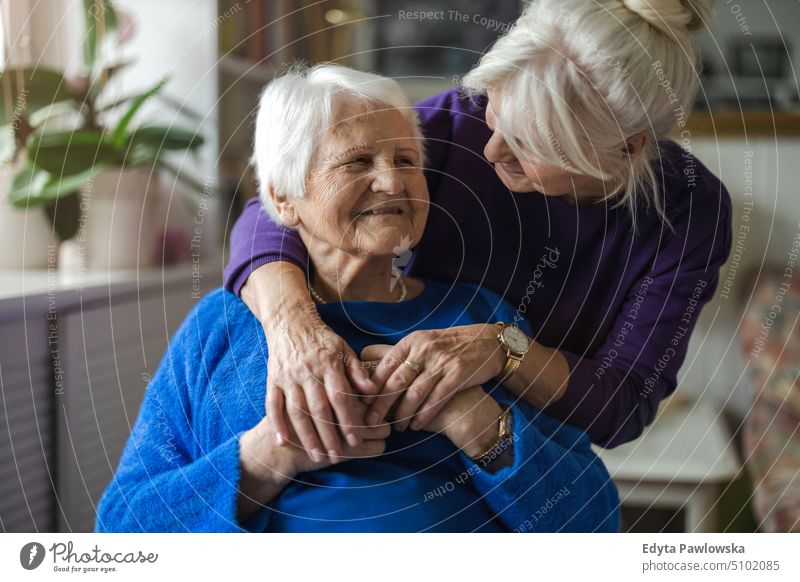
117 227
27 240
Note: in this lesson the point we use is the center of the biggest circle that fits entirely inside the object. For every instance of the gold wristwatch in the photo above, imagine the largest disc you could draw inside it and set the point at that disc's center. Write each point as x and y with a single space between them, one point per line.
505 439
516 344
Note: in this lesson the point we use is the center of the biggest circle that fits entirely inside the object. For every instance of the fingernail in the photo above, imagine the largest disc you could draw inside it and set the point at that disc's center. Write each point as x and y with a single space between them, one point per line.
316 455
401 426
352 440
415 425
333 455
279 438
372 418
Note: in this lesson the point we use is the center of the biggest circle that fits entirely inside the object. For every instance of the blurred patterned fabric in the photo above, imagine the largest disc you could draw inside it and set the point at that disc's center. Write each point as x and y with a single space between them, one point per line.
771 343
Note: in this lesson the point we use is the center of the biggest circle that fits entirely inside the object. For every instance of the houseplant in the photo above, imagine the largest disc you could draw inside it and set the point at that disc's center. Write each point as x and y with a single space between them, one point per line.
95 159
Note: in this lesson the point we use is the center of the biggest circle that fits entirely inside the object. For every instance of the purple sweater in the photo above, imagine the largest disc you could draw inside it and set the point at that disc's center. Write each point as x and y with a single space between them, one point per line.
620 306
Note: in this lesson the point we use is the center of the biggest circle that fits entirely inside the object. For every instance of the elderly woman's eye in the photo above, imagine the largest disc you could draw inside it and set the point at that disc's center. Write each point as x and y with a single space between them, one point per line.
406 162
360 160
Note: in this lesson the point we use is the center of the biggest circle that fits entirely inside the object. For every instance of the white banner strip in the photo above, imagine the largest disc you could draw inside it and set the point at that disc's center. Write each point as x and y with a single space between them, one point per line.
400 557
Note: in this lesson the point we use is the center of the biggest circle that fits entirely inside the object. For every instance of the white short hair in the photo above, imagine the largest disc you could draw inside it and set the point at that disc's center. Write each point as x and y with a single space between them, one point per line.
296 109
578 77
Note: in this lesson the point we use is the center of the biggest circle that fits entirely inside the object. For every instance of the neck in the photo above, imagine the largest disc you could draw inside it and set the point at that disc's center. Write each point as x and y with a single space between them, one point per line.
339 276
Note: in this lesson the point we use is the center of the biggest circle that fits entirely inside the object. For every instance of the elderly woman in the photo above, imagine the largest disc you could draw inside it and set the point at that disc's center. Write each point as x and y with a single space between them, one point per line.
202 456
554 184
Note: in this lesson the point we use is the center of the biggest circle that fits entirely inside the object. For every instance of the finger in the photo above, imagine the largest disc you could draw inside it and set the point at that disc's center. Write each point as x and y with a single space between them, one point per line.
358 375
382 431
380 407
374 352
391 361
322 416
413 397
369 366
433 405
371 448
276 412
342 401
301 422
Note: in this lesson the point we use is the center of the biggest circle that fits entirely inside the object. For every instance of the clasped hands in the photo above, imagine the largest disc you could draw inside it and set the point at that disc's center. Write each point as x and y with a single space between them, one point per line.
328 405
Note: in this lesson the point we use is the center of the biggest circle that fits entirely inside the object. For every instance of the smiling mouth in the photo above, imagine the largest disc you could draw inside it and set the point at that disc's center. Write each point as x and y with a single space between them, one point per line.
381 212
509 170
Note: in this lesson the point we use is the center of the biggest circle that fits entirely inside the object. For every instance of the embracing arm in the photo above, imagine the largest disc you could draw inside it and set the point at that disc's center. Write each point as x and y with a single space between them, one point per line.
257 240
614 392
267 269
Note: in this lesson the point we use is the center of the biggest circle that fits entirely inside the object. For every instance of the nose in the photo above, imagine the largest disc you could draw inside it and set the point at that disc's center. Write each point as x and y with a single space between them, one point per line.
497 149
387 180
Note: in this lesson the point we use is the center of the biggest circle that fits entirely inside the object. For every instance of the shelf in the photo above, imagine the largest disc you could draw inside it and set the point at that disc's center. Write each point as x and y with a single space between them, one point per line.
242 68
746 123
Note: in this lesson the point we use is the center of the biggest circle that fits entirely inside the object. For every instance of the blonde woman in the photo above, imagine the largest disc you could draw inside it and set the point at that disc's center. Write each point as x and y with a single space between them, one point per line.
552 183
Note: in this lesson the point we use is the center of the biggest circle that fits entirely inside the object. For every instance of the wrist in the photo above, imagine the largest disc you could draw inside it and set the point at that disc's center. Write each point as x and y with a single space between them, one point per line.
263 462
481 430
495 355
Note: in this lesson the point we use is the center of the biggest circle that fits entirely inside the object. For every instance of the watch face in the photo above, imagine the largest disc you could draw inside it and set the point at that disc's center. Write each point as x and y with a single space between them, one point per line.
516 339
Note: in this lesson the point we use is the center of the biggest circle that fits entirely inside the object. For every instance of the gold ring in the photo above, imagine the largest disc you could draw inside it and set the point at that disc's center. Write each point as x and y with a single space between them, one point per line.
412 365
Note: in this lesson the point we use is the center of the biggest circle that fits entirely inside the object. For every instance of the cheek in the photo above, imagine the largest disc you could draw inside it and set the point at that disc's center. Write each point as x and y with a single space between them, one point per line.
545 175
326 212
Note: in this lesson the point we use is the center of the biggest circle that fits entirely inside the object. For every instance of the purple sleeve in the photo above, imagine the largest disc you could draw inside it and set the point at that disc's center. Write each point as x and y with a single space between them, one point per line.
256 240
614 393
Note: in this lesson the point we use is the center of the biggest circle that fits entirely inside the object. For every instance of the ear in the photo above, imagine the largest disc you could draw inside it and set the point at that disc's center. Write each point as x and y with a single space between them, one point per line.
285 208
635 144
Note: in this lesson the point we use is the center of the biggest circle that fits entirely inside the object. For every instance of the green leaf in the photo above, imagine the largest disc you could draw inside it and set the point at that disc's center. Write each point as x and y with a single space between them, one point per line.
181 108
67 153
33 186
118 135
96 11
29 89
103 75
38 117
165 137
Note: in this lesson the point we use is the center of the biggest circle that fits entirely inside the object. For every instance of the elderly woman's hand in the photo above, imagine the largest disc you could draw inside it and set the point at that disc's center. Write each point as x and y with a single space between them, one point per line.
312 373
470 419
448 361
266 467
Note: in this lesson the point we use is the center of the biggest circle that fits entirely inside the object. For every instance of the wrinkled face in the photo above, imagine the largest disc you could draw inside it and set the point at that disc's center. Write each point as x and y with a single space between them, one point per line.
366 193
528 174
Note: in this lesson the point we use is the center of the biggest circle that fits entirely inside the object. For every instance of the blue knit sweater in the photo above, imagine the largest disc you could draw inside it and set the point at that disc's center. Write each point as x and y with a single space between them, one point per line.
179 470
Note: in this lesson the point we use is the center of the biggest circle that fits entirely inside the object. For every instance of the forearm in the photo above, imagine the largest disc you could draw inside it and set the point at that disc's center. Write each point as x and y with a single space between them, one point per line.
477 432
152 494
613 407
275 289
541 378
264 471
257 240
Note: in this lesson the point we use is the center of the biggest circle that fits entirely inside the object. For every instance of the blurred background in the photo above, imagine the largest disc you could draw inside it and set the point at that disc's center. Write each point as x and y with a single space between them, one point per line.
124 150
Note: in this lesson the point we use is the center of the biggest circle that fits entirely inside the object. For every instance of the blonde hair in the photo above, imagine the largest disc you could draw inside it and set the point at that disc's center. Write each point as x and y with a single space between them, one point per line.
578 77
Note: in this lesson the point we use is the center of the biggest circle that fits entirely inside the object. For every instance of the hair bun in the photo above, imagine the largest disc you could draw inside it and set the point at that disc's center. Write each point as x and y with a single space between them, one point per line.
673 16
